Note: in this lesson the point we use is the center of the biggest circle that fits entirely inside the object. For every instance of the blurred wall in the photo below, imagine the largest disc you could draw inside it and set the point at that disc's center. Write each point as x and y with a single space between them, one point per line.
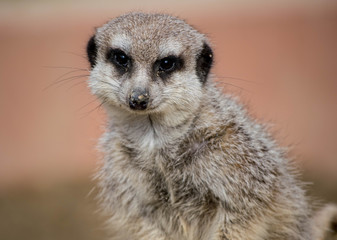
279 57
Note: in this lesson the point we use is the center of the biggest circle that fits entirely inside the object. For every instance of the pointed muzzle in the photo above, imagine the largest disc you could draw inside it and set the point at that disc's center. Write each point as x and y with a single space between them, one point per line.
139 99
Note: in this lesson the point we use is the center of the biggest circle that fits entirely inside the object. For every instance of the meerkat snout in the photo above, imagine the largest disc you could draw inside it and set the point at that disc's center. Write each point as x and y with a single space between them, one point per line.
139 99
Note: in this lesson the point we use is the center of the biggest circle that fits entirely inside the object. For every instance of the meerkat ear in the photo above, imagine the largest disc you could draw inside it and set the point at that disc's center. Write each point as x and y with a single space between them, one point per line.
204 62
92 51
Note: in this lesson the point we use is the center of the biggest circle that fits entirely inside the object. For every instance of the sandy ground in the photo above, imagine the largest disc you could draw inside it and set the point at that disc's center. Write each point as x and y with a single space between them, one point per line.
62 212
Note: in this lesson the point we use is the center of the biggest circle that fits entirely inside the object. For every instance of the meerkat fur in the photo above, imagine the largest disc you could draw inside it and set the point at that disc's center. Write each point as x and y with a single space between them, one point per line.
182 160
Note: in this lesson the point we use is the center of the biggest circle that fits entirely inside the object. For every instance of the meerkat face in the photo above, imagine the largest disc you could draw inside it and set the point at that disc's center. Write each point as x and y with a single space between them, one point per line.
147 63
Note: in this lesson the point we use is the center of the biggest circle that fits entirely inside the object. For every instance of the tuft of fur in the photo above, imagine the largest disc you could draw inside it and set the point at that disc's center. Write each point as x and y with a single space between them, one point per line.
193 165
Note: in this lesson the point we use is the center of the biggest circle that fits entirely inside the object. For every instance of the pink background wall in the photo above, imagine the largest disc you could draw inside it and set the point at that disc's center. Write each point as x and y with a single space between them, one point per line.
286 51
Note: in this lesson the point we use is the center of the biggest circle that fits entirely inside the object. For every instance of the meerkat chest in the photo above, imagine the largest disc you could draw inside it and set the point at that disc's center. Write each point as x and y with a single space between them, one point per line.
144 187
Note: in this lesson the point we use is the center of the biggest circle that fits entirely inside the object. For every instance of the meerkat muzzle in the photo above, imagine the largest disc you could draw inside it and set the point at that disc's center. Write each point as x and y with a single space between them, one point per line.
139 99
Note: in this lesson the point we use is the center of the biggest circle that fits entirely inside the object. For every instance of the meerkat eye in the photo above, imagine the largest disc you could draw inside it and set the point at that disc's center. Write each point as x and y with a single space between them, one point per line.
119 58
167 64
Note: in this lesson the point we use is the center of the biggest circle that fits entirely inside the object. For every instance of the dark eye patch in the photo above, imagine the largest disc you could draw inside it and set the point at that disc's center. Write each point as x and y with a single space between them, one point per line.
92 51
165 66
119 59
204 63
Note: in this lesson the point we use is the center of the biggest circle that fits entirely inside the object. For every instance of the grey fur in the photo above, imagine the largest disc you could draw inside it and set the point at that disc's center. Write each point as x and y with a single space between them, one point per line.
193 165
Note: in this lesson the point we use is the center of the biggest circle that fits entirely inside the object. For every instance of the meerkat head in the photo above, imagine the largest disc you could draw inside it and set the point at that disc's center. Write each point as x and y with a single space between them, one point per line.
149 63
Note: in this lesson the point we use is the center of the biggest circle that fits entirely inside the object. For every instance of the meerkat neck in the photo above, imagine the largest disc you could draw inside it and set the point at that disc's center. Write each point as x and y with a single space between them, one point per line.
151 131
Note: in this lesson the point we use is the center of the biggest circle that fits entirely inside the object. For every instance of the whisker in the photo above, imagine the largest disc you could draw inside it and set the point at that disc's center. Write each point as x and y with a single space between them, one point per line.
92 110
75 54
65 74
76 84
85 105
64 67
108 83
235 78
65 80
233 85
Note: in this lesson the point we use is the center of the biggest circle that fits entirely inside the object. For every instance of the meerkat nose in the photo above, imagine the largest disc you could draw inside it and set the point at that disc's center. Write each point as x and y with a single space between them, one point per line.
139 99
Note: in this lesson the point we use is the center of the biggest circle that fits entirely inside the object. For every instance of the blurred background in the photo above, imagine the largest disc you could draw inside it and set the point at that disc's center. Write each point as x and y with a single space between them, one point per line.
278 57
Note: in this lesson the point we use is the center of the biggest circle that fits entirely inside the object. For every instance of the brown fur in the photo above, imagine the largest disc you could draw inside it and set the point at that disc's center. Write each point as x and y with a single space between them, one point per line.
193 165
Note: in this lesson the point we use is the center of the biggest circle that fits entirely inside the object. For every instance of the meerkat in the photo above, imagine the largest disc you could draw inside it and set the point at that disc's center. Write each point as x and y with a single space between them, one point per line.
182 160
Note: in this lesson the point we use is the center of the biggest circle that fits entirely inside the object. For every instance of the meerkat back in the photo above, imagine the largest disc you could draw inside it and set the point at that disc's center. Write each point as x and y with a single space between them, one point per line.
182 160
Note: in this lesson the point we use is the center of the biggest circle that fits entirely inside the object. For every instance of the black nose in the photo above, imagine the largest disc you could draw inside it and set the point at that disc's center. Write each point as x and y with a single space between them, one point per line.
139 99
